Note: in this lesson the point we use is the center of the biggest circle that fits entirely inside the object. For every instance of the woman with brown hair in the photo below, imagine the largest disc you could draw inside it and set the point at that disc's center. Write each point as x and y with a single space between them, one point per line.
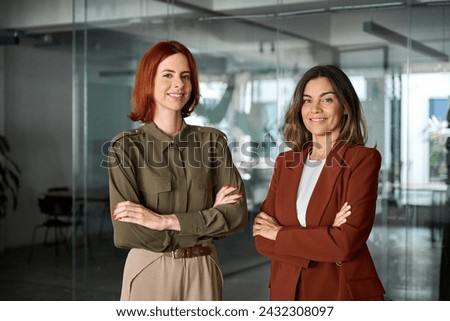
320 207
173 187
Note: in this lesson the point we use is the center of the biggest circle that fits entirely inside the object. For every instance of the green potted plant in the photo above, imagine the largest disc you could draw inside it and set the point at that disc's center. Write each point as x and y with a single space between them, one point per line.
9 182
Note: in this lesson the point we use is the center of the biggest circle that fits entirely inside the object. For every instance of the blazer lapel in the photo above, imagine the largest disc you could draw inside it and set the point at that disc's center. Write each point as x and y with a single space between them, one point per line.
325 185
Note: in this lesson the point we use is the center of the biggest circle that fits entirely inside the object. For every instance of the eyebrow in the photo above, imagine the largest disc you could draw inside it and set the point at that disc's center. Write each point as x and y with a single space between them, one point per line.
173 71
322 94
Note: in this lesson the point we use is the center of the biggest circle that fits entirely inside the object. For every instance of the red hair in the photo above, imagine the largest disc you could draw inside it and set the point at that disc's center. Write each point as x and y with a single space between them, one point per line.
142 100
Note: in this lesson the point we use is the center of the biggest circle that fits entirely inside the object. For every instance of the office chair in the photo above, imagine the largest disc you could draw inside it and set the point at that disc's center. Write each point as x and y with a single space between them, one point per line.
56 206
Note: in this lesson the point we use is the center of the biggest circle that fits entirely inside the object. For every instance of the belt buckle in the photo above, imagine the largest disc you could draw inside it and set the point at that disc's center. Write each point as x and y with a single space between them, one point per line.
188 252
175 254
182 253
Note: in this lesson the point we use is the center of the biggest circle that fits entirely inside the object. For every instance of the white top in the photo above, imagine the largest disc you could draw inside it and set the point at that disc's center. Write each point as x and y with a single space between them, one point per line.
310 175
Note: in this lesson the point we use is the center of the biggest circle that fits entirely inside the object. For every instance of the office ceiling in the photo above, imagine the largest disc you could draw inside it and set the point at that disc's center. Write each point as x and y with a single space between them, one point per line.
264 34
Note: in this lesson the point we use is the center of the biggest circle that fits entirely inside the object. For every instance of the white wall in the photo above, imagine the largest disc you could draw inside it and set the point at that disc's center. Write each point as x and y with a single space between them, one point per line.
38 107
418 89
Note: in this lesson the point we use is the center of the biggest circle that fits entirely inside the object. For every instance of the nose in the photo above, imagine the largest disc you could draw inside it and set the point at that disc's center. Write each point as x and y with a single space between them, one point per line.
316 107
178 82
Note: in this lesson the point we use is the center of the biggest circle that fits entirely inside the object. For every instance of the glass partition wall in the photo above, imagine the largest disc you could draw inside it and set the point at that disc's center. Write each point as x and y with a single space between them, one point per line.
250 56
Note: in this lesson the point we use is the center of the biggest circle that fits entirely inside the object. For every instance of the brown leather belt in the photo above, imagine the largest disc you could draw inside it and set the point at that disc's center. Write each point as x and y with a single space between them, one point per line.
189 252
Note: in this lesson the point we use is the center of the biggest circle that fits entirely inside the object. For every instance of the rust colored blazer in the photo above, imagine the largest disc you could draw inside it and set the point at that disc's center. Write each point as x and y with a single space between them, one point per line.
320 262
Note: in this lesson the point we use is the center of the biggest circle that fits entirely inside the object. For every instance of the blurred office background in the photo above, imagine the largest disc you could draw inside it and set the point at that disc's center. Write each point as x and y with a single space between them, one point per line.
66 77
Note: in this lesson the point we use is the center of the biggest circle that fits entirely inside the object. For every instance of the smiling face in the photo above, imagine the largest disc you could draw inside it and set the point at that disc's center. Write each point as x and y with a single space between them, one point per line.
172 87
321 111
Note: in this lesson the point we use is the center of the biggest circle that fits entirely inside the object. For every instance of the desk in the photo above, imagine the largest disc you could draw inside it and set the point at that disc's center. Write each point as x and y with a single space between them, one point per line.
99 195
79 200
92 195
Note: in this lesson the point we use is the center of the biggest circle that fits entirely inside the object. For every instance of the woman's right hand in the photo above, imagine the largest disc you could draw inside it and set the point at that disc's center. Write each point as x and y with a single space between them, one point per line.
131 212
224 195
341 216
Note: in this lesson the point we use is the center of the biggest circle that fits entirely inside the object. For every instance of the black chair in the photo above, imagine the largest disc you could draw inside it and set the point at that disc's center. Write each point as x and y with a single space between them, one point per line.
57 207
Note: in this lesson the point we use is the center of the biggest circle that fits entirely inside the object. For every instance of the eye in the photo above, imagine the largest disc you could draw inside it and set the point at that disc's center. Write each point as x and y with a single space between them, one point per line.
327 100
306 101
167 76
186 77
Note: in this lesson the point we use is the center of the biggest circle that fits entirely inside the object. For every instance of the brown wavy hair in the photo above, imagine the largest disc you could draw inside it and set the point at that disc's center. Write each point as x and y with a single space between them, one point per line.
353 127
142 100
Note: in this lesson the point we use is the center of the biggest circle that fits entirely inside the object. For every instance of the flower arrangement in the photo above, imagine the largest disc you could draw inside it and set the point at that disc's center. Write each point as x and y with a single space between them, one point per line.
437 134
437 131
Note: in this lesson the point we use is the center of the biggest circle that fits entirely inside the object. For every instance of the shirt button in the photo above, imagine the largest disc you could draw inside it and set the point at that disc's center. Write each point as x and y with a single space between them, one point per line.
338 263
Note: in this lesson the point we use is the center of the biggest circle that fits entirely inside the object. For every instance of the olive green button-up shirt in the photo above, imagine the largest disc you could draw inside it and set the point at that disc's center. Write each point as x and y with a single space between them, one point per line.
179 175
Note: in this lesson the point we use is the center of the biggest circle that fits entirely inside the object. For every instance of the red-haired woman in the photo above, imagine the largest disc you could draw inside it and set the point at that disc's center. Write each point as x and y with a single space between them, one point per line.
173 187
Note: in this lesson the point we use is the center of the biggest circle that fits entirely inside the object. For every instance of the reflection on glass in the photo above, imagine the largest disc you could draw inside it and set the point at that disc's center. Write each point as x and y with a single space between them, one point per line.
249 65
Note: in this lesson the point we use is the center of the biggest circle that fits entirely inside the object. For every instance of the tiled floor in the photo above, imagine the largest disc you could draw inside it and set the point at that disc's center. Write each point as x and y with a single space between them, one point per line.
411 274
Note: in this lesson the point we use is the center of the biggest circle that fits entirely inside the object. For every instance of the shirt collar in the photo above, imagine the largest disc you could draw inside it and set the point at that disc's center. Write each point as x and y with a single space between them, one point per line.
180 139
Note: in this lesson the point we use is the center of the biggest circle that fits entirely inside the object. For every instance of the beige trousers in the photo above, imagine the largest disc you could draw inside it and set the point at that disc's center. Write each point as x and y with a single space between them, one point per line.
155 276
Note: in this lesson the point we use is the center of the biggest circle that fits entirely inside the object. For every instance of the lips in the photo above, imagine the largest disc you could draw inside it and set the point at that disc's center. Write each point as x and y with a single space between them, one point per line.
175 95
316 119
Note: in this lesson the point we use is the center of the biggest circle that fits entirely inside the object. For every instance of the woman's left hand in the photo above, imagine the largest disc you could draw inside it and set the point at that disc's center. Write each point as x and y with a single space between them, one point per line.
135 213
266 226
224 195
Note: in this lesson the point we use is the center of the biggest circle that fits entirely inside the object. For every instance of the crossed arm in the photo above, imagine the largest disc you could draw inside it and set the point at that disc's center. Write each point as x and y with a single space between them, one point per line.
268 227
131 212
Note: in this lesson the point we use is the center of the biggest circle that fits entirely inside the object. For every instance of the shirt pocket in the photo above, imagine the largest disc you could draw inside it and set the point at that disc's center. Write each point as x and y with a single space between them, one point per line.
203 197
157 194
